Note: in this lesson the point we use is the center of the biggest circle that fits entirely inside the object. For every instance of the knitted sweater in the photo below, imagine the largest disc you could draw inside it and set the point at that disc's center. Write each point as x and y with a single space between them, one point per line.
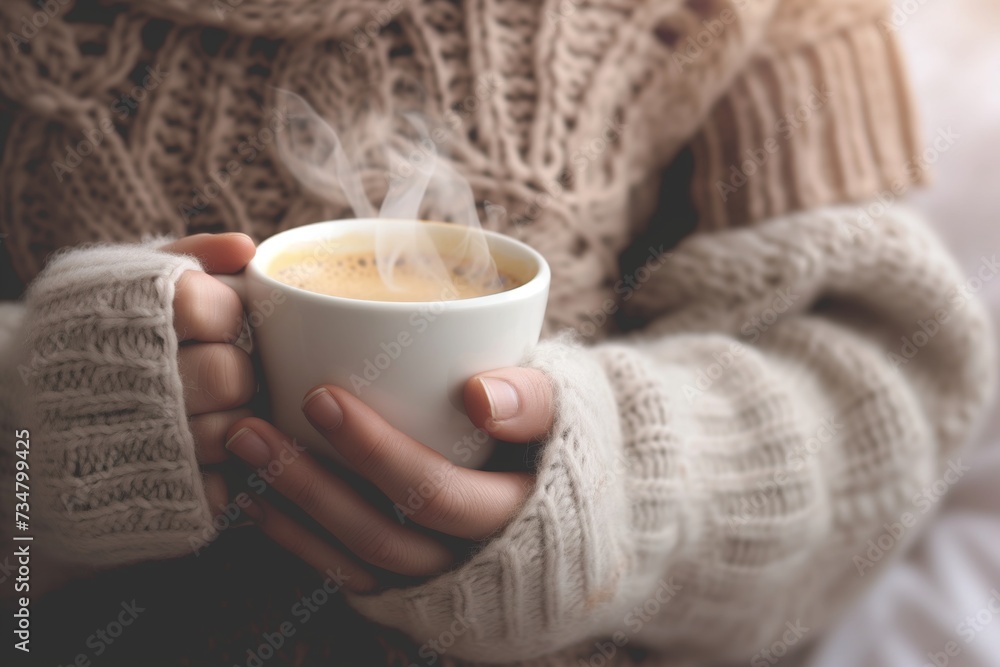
562 114
711 481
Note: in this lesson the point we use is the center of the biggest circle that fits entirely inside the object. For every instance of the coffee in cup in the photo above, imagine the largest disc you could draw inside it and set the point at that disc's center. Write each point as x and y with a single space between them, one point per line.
406 359
355 274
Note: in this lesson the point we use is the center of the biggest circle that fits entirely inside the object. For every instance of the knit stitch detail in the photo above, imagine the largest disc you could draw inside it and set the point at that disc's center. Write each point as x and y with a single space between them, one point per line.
740 452
828 123
105 402
556 113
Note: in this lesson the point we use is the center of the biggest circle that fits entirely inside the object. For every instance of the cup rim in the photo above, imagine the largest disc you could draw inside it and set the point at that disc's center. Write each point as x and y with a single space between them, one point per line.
538 282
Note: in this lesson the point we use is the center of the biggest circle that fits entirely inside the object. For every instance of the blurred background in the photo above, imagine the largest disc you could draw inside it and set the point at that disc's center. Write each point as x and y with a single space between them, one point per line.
943 592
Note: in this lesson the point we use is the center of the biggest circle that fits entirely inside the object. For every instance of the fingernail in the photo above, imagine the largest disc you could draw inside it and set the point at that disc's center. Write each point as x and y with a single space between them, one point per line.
250 447
323 410
504 402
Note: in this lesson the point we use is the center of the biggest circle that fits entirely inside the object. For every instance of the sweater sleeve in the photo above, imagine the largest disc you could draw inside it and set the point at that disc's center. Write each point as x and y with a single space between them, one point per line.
90 368
730 477
821 114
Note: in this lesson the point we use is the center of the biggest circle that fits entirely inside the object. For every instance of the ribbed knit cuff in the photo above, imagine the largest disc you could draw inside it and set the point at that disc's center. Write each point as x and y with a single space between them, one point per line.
114 473
548 579
828 122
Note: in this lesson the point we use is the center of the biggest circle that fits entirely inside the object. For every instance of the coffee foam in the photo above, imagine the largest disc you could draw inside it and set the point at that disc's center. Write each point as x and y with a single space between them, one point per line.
355 275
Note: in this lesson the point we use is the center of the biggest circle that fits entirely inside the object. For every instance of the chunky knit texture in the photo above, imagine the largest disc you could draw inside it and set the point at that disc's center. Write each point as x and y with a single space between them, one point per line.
116 479
529 91
724 467
727 465
681 474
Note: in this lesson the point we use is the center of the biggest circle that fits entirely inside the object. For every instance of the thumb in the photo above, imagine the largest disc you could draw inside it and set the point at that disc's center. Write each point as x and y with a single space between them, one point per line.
512 404
218 253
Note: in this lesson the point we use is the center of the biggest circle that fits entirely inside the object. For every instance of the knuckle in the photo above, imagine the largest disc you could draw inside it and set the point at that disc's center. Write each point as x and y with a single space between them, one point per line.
303 489
535 386
444 506
226 374
206 308
186 310
230 309
378 451
379 547
539 387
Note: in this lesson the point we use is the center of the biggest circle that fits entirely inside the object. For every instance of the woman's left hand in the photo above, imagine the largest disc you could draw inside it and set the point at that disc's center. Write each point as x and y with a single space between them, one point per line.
511 405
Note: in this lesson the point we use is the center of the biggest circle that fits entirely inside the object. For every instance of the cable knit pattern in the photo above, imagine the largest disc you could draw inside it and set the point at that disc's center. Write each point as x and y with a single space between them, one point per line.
105 404
560 114
764 434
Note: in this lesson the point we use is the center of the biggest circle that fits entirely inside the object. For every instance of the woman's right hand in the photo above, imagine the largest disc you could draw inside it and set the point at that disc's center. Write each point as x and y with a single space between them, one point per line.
218 376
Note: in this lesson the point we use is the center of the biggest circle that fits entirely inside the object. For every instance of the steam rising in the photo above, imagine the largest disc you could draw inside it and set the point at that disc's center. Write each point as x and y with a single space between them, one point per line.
419 179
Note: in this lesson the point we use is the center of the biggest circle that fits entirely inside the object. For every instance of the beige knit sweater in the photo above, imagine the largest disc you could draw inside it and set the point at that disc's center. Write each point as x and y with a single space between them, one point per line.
711 480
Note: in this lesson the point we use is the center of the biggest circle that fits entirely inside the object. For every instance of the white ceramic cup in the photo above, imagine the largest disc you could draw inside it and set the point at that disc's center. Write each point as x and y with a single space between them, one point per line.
407 360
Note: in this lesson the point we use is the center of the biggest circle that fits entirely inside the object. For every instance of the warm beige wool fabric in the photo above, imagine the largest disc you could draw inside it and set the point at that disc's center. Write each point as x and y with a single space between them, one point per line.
724 466
530 91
